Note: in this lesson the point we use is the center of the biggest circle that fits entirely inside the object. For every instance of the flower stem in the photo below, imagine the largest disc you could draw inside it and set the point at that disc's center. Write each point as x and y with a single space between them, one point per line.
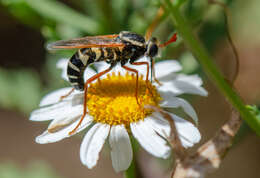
130 172
210 68
133 171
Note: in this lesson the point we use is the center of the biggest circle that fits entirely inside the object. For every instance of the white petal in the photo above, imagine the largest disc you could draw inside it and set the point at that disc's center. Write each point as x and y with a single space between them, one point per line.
160 125
119 69
121 150
189 134
190 84
181 83
166 67
194 79
56 111
88 73
145 59
69 105
190 88
100 66
178 87
47 137
175 102
187 131
142 69
66 117
62 64
93 143
167 87
54 96
148 138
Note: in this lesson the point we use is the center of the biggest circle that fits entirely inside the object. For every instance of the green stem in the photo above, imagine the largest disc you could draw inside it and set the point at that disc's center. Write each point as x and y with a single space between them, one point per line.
210 68
106 11
132 171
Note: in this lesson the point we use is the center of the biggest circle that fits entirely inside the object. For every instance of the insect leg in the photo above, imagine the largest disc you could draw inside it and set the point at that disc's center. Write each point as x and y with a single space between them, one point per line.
66 95
153 73
136 89
98 75
143 63
147 73
147 70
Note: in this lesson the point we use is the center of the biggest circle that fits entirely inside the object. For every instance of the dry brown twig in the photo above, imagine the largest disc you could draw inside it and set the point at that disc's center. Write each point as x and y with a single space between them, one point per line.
209 156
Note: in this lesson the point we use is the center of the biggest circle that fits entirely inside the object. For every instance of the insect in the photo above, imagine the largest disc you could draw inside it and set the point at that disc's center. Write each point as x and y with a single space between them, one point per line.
125 47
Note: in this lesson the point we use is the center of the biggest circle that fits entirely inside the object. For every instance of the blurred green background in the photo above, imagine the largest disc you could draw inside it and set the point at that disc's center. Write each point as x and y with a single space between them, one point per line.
28 72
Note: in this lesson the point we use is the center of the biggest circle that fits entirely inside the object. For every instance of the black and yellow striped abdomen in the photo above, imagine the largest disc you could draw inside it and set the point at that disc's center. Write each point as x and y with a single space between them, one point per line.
83 57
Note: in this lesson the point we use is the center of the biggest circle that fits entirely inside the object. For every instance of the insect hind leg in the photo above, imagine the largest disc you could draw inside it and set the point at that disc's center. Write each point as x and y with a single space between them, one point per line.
98 75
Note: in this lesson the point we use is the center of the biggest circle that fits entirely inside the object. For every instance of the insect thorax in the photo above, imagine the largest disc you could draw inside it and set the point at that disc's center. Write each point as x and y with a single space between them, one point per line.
135 45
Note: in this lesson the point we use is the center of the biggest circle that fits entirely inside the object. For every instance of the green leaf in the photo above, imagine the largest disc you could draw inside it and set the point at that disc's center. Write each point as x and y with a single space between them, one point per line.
188 62
20 10
254 110
35 169
19 89
178 3
62 14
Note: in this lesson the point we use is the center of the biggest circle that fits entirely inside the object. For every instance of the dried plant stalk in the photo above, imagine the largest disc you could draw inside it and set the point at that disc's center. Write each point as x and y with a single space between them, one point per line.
209 156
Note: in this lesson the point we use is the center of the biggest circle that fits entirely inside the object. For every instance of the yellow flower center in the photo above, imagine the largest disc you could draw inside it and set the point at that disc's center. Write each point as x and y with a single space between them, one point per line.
112 100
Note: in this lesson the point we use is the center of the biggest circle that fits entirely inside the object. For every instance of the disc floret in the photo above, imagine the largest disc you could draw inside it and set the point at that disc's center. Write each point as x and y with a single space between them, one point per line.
112 100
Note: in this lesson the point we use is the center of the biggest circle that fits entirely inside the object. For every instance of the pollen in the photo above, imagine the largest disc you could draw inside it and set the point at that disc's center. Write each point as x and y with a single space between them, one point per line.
112 100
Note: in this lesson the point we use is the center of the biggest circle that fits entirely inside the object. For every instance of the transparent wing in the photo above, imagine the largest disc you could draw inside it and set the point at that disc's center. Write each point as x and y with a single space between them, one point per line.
87 42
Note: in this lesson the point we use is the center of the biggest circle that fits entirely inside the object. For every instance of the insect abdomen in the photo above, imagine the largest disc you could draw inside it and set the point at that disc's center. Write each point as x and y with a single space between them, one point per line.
77 65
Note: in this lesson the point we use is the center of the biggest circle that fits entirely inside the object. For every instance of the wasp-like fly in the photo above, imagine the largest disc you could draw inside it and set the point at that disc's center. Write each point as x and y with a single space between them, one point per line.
119 48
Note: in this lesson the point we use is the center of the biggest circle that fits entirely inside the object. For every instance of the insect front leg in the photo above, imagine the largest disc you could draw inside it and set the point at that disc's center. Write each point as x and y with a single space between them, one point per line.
153 73
147 69
147 73
136 87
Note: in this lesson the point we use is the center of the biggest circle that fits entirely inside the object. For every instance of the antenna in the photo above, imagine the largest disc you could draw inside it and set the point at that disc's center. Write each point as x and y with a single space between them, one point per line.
172 39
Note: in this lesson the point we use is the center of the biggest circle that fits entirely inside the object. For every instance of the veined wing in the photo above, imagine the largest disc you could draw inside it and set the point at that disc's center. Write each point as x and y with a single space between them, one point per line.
87 42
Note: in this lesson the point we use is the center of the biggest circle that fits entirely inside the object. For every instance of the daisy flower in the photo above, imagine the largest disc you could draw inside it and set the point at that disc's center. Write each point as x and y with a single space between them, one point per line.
113 112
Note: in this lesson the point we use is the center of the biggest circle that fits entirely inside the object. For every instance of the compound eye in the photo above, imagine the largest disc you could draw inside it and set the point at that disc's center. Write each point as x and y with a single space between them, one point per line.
153 50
